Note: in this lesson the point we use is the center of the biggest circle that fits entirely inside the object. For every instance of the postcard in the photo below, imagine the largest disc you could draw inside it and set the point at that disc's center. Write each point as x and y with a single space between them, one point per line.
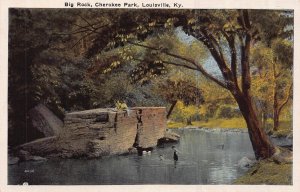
149 95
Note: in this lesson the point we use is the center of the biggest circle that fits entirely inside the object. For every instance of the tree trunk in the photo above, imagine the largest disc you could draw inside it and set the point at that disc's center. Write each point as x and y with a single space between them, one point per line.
275 101
276 120
171 109
262 146
189 121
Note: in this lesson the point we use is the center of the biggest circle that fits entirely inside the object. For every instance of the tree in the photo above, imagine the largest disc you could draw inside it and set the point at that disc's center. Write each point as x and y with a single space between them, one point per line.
274 75
29 35
43 68
237 30
181 90
214 98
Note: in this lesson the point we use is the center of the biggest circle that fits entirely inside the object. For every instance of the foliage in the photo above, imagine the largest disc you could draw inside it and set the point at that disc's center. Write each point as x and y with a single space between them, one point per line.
182 112
272 77
227 111
30 33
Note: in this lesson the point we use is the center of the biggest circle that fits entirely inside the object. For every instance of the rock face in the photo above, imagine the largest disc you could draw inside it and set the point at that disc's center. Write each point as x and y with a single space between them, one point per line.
41 147
100 132
45 121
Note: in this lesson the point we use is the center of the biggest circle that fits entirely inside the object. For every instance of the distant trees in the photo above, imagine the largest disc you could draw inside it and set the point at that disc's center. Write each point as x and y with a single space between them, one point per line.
273 77
173 91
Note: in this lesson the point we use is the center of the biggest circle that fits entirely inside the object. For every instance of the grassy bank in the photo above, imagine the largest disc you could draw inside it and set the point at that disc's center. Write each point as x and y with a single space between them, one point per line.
212 123
285 127
267 172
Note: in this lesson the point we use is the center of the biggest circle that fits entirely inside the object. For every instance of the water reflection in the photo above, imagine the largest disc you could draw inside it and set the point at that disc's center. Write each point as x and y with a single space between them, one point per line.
204 158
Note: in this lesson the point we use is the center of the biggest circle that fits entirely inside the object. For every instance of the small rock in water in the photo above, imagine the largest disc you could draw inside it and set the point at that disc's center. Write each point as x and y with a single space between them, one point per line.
132 150
161 157
13 160
245 162
37 158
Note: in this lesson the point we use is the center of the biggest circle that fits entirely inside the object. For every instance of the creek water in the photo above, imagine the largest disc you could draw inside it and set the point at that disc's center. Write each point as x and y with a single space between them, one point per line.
205 157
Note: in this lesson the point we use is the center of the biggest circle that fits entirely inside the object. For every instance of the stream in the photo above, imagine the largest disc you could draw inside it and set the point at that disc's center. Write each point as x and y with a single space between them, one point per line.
205 157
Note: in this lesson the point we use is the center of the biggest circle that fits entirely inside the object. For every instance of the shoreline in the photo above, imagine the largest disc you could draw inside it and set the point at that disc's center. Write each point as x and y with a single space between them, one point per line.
209 129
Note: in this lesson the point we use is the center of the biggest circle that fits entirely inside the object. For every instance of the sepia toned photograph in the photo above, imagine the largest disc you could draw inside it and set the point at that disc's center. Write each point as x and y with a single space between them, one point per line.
150 96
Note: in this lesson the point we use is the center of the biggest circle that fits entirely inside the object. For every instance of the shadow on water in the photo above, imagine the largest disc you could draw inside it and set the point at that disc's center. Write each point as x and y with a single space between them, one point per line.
204 158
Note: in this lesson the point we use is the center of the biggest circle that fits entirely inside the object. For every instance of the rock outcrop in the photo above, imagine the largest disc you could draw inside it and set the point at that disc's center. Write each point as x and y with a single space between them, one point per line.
101 132
45 121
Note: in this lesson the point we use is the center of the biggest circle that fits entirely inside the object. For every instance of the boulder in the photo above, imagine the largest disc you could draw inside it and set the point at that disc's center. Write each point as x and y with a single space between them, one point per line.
98 132
45 121
282 156
132 150
13 160
41 146
170 137
245 162
23 155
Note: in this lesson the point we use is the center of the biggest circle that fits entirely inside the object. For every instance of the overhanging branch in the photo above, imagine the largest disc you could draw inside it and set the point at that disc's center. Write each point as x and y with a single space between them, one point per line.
287 97
197 66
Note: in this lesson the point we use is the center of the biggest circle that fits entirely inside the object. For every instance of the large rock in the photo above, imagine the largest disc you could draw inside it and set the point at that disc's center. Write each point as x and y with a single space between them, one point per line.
45 121
42 147
101 132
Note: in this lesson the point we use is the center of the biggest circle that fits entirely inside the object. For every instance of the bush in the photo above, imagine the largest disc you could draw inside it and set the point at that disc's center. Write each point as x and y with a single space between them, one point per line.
228 112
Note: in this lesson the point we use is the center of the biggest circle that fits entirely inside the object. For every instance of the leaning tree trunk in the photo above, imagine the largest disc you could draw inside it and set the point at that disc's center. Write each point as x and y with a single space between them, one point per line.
171 109
262 146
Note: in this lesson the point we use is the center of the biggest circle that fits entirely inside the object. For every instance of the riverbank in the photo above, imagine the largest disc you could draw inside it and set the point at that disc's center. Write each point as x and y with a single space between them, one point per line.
267 172
212 123
284 130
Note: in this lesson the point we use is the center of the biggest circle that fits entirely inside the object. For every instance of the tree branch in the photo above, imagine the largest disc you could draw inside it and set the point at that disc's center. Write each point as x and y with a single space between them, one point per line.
245 50
286 99
88 34
231 42
170 63
91 25
180 65
245 19
226 72
74 32
209 76
198 67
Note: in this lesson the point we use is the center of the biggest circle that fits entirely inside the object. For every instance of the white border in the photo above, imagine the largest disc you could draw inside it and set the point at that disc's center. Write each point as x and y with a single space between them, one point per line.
216 4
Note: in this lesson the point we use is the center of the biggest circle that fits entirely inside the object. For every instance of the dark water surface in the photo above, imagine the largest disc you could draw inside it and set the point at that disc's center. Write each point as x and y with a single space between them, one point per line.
201 161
